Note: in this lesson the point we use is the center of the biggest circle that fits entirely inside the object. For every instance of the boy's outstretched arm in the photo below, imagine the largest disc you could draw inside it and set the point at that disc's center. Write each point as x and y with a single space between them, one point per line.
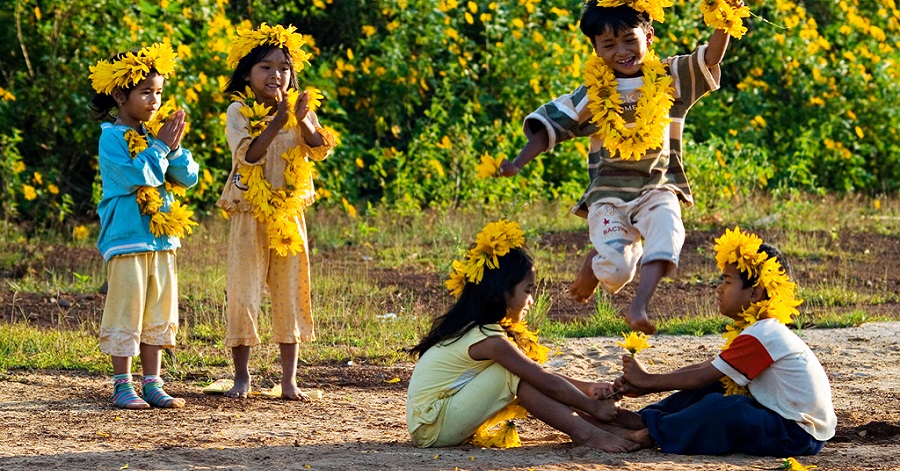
537 143
715 50
718 44
696 376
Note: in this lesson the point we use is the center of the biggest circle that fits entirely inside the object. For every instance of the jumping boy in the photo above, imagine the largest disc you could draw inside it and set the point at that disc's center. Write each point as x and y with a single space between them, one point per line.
632 106
765 394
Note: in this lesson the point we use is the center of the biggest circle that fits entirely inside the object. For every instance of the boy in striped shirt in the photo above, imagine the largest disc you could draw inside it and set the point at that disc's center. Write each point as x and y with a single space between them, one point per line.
628 199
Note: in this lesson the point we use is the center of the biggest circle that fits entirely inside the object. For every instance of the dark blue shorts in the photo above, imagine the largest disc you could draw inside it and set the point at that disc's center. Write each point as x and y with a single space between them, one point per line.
706 422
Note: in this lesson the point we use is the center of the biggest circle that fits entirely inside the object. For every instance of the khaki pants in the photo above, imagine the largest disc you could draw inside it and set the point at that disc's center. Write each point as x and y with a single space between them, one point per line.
142 304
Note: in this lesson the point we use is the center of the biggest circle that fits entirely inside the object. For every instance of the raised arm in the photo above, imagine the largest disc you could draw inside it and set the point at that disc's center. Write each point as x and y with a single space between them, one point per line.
715 50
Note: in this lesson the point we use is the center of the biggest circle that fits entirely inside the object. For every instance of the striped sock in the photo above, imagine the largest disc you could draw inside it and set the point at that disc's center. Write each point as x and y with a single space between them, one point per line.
124 395
154 394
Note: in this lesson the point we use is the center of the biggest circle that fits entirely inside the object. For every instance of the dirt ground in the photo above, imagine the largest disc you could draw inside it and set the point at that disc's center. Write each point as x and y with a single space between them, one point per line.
62 420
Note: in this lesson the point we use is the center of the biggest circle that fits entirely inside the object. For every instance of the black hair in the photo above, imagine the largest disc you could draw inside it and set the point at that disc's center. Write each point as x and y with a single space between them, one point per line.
238 81
479 304
102 104
596 20
771 251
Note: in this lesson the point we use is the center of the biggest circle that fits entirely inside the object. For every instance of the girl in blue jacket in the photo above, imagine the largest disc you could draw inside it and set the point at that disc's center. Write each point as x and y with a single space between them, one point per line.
142 168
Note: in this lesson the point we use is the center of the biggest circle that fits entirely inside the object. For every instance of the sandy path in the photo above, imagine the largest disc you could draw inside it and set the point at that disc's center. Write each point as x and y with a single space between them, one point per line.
364 428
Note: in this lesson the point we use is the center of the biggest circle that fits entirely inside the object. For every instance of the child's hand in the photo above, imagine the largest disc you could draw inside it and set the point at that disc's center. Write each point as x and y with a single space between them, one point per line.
601 390
281 111
623 389
172 130
633 372
508 168
301 108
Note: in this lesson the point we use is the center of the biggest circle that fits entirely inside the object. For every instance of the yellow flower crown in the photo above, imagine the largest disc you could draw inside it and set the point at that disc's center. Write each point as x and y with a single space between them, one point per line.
495 240
654 8
248 39
742 249
128 70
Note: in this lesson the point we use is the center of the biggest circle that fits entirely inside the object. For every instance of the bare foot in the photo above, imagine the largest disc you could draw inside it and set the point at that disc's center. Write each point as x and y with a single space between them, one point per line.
293 393
642 438
609 442
585 282
637 319
240 389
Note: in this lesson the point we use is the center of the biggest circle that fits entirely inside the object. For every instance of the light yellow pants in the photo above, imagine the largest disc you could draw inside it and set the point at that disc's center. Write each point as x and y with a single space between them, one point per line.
252 269
141 304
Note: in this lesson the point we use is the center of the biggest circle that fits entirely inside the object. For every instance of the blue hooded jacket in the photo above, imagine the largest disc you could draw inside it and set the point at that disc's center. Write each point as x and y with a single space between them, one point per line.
123 229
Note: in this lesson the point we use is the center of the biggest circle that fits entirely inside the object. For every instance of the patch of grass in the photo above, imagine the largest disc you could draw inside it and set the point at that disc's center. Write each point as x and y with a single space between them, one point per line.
604 322
850 319
837 296
359 320
698 325
26 347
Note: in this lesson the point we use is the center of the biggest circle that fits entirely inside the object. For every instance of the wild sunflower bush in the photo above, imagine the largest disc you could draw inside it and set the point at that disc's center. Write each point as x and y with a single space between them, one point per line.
420 92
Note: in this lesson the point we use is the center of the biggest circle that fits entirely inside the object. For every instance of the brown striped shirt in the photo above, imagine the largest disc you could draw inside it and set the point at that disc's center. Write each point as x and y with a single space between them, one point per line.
611 178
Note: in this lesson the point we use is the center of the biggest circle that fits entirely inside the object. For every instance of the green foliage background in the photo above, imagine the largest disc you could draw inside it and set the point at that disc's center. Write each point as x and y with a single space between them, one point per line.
419 90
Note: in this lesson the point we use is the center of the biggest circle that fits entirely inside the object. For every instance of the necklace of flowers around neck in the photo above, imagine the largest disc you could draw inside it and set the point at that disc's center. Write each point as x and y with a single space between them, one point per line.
651 113
279 208
177 222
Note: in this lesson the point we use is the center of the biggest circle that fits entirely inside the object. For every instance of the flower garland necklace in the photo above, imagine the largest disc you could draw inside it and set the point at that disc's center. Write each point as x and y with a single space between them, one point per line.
651 113
177 222
742 249
279 208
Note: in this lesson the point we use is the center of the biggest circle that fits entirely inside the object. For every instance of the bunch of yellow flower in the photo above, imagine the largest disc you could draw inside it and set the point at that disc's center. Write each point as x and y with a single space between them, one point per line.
131 68
248 39
526 340
654 8
495 240
162 115
725 15
634 342
489 166
742 249
507 436
177 222
651 114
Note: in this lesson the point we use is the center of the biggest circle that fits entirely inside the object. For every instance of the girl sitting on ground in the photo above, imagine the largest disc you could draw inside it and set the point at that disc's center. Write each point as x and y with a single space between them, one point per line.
471 365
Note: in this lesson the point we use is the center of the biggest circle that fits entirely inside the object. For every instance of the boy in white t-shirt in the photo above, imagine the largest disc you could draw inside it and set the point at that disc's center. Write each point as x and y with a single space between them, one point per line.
765 394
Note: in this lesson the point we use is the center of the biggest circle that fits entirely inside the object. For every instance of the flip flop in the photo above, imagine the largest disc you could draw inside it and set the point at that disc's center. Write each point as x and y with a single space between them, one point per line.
276 392
219 386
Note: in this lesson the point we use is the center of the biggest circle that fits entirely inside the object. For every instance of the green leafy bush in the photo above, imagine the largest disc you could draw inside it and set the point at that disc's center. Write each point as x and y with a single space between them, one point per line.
419 91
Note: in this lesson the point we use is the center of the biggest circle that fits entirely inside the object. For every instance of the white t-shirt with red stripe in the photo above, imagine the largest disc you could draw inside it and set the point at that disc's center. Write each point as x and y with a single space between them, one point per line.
783 374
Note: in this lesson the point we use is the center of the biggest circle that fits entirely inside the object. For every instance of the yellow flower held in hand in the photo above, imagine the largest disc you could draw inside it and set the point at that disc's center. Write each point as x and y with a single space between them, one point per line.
634 342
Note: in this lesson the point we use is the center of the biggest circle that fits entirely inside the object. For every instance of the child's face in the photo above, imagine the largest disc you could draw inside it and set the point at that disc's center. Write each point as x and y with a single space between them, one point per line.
732 296
624 51
141 104
520 299
270 78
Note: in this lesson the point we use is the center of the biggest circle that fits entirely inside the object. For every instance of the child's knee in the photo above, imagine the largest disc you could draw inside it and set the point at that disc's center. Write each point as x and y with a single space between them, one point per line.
612 277
616 268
